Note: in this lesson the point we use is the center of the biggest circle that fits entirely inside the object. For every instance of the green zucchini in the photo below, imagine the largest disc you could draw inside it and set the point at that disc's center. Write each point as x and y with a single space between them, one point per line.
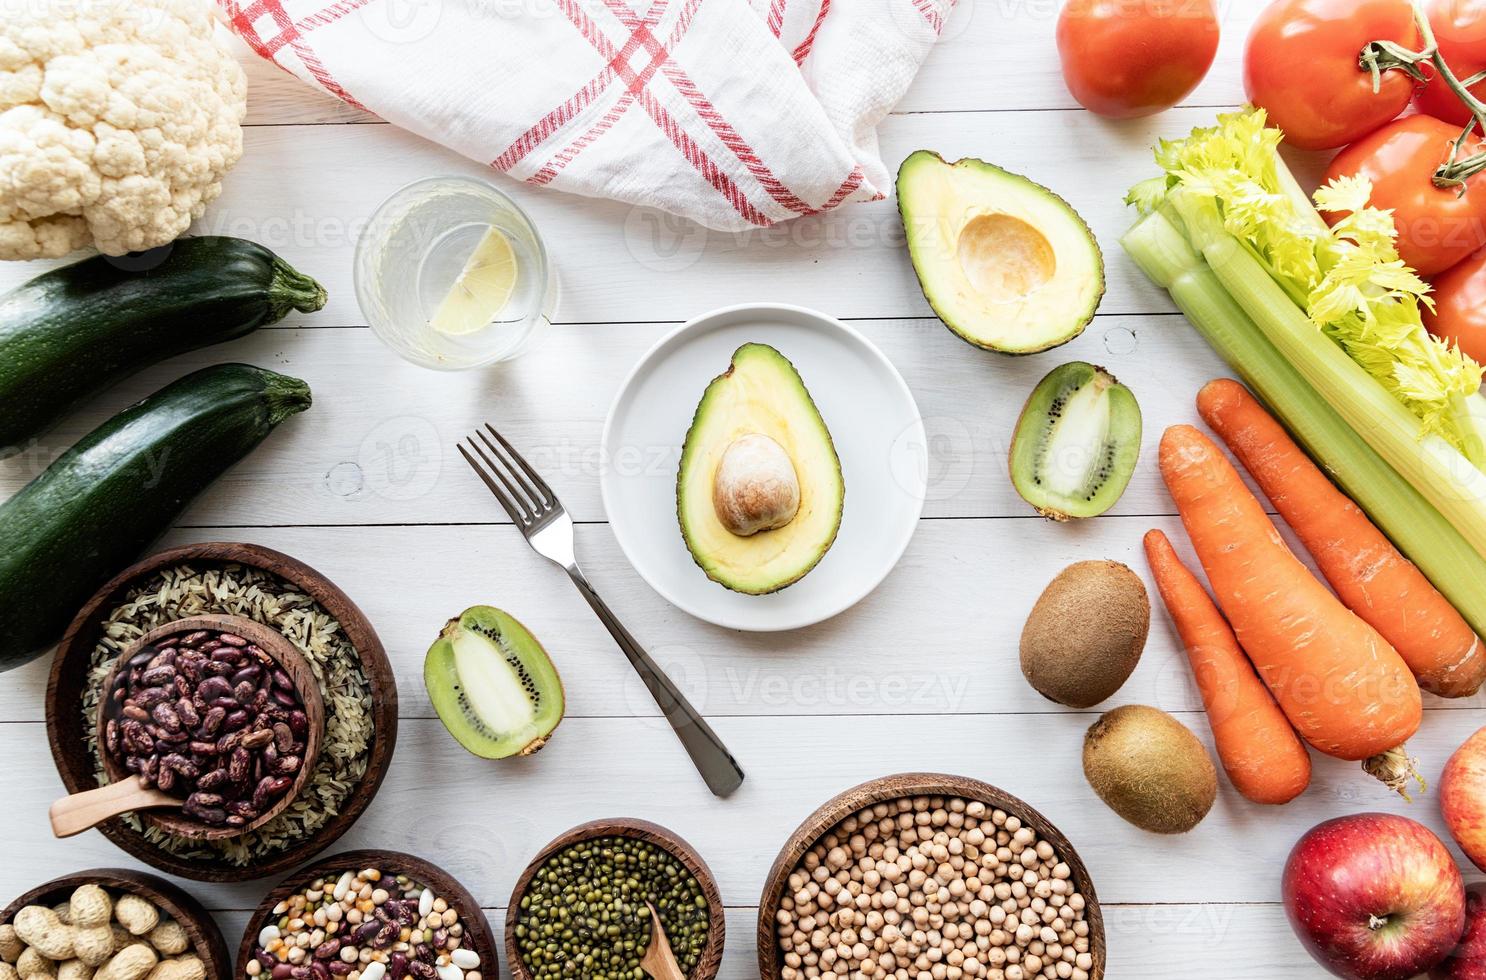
70 333
103 502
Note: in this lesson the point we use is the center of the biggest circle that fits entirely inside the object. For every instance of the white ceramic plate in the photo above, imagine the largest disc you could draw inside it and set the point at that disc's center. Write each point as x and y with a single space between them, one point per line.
873 421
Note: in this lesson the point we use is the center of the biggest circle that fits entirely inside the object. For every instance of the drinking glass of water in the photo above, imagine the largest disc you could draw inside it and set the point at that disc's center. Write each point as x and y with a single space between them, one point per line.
451 274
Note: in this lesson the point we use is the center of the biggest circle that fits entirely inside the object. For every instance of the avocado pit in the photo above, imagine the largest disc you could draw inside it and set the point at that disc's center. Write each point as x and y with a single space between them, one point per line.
1004 258
756 487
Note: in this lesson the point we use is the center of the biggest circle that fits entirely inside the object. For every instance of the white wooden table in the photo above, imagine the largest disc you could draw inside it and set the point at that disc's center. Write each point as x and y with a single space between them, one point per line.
922 675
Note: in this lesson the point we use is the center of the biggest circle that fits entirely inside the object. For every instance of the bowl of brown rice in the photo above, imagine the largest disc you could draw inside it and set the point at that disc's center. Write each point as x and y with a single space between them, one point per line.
335 637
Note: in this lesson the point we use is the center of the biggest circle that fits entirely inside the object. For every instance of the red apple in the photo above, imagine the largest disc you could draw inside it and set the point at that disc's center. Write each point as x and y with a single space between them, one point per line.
1468 961
1374 896
1463 797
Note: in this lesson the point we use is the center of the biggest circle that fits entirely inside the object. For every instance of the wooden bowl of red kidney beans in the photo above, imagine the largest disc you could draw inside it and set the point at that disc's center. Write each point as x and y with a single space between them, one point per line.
220 711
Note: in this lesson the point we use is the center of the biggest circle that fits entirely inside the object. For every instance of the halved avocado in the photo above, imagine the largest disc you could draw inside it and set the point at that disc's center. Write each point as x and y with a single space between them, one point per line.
493 686
759 493
1007 264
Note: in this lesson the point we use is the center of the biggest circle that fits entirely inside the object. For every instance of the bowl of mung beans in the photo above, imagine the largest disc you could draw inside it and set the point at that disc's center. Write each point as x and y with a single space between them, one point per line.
580 910
929 875
369 915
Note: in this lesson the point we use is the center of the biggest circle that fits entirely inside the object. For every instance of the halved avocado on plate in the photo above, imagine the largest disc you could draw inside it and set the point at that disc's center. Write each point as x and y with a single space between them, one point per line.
1007 264
759 493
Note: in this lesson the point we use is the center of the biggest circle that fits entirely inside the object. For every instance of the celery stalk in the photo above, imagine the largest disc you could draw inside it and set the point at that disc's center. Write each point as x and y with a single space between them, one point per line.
1304 207
1400 511
1467 412
1347 279
1438 470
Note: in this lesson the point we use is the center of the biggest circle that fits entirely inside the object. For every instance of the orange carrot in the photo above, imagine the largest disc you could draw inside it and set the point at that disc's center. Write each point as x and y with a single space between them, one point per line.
1367 572
1347 692
1264 758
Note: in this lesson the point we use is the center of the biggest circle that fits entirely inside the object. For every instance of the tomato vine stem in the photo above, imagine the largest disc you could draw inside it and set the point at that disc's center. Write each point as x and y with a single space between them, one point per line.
1381 56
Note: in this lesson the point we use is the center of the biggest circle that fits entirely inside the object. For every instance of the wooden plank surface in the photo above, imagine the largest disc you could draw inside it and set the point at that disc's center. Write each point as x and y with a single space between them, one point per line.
923 674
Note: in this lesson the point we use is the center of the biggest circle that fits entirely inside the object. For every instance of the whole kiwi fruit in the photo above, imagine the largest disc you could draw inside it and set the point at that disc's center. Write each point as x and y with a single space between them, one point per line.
1150 769
1086 633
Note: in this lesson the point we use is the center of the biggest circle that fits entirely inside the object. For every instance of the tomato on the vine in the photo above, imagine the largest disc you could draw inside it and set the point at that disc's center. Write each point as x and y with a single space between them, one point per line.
1437 226
1459 315
1123 59
1460 29
1301 65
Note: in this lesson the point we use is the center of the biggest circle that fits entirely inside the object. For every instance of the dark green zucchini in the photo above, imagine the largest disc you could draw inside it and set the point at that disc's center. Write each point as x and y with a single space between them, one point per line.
70 333
104 501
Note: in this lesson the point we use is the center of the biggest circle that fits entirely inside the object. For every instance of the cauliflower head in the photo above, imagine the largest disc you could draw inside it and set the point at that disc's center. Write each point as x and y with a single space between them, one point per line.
118 120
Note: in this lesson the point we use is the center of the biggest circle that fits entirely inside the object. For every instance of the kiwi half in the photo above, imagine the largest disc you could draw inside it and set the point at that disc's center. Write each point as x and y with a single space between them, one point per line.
1076 443
493 685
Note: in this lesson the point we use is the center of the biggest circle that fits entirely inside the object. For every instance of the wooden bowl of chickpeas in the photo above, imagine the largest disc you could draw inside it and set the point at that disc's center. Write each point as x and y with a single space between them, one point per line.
929 875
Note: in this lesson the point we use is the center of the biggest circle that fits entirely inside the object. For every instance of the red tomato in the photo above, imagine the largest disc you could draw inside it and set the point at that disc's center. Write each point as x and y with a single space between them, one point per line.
1437 226
1301 66
1460 307
1460 28
1128 58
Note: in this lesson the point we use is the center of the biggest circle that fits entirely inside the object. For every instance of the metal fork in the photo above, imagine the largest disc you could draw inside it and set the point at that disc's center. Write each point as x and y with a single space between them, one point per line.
547 527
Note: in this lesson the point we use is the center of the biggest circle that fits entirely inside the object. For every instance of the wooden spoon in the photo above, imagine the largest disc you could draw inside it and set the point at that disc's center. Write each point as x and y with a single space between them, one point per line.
658 960
127 792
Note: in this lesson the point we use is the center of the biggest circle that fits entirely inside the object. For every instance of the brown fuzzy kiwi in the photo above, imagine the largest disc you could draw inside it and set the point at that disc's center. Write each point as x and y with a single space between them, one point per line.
1150 769
1086 633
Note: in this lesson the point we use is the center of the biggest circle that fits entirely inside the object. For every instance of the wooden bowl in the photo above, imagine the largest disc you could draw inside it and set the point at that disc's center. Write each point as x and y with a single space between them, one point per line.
281 652
69 677
819 823
201 929
710 960
477 932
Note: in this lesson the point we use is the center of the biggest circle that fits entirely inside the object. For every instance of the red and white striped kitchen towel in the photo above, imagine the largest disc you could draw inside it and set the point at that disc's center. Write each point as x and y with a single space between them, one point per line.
734 113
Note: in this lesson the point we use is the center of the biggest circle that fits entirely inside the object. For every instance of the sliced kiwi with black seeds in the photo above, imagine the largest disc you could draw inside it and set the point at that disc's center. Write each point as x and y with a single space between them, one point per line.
493 685
1077 443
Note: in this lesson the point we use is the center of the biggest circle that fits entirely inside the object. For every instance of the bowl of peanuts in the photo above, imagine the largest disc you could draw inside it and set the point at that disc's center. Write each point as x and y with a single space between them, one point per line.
110 924
929 875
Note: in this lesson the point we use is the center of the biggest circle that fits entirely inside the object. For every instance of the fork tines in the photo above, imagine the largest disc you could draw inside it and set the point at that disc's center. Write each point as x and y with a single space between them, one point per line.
526 496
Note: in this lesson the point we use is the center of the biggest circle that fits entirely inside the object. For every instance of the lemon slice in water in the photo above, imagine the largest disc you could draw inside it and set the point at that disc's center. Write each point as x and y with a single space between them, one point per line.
482 290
